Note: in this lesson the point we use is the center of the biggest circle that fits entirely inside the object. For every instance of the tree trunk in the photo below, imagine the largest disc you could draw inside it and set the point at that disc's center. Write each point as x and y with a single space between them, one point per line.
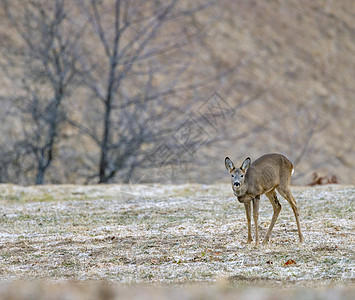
40 175
105 139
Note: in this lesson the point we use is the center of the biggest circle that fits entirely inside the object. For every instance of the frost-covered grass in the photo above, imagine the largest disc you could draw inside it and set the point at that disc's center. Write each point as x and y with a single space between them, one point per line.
165 234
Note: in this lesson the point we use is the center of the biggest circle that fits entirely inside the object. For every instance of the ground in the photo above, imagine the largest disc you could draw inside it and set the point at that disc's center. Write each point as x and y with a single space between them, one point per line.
176 236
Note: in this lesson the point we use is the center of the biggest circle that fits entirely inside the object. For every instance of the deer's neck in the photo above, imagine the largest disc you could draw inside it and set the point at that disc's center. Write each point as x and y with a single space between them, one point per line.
241 191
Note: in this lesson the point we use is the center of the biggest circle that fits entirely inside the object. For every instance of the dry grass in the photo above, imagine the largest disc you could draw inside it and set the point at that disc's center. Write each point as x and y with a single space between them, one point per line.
165 234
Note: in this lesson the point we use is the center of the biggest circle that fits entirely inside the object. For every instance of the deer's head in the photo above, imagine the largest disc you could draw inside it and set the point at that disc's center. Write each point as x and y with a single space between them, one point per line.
237 175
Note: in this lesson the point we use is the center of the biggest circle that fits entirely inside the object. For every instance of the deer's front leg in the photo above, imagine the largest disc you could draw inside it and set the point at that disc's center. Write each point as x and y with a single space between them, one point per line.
248 212
256 201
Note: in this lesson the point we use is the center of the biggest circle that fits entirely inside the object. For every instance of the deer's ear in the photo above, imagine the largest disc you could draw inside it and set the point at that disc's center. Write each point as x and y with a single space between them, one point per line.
246 164
229 164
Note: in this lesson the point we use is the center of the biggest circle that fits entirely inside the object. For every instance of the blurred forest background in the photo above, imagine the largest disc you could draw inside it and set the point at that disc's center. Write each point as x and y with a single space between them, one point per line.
161 91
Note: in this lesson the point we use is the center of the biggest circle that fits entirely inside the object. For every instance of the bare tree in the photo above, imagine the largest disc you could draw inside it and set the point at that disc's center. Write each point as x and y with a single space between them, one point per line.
43 68
145 98
140 63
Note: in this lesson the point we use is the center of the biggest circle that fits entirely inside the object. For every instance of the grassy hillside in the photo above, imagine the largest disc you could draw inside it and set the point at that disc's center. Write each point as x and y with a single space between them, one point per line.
296 56
302 54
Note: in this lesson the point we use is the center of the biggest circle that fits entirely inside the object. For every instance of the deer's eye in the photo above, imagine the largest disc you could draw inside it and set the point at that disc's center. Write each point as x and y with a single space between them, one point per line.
232 175
241 175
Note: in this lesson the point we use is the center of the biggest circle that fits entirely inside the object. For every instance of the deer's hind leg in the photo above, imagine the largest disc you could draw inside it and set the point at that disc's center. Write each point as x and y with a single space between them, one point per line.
286 193
277 208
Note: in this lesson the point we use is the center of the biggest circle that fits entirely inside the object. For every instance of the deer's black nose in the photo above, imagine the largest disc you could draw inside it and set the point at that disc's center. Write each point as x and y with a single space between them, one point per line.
236 183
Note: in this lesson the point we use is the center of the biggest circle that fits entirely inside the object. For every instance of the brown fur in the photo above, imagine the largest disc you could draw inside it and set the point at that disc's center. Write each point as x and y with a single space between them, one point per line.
268 173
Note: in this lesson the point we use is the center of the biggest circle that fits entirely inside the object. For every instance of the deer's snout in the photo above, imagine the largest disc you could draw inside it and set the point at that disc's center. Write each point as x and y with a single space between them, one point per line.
236 183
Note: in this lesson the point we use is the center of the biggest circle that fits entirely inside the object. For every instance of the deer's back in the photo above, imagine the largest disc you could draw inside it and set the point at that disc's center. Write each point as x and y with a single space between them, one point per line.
268 172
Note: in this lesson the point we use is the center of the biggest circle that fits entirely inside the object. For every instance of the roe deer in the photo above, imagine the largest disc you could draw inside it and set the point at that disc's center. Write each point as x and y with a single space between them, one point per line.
263 176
